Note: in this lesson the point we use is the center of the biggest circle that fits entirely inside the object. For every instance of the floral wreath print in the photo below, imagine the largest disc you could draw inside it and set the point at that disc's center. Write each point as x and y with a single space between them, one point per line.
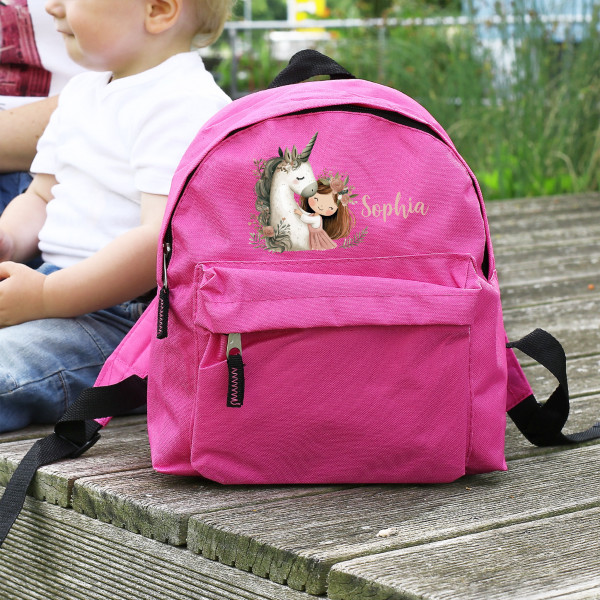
323 214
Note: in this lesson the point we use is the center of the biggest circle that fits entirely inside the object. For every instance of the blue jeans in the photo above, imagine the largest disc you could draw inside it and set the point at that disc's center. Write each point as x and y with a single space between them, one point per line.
45 364
11 185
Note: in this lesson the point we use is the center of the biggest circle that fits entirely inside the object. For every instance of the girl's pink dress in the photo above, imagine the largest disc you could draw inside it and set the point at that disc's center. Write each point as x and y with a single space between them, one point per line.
319 240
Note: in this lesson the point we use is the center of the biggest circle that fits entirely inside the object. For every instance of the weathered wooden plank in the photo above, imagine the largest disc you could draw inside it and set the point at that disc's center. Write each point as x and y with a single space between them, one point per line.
583 373
530 263
159 506
28 433
120 449
553 217
544 236
58 554
297 541
508 220
575 323
556 557
549 270
547 276
580 252
554 290
530 208
559 223
38 431
517 249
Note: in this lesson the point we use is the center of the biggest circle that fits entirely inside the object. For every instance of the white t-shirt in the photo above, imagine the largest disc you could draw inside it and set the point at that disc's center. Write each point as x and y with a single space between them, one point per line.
109 141
34 63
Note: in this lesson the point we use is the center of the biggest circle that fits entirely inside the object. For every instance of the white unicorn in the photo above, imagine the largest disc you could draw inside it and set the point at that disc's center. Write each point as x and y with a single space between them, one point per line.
283 176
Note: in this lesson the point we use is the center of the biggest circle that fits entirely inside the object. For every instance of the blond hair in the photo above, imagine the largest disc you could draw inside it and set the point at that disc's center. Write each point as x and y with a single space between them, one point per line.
211 18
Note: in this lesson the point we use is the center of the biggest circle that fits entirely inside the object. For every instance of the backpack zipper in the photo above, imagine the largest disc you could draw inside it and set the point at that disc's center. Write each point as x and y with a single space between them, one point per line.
163 297
389 115
235 368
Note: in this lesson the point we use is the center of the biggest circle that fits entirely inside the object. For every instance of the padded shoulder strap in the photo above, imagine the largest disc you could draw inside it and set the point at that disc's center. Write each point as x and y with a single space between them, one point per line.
75 433
542 424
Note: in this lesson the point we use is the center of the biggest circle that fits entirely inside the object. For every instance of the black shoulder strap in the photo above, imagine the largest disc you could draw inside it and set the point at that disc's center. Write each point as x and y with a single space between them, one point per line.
76 432
542 424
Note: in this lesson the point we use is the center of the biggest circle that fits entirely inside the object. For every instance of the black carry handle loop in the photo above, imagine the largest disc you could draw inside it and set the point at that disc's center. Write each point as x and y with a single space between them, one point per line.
74 434
309 63
542 424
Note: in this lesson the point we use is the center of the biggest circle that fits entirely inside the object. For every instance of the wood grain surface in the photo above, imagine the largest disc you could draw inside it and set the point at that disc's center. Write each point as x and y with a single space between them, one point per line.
121 530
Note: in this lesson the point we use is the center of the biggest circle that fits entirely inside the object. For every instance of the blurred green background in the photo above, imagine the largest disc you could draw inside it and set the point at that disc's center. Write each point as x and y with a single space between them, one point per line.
519 94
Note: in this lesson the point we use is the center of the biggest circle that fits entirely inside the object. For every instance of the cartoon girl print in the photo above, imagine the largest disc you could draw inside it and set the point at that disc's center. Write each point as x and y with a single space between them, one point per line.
326 214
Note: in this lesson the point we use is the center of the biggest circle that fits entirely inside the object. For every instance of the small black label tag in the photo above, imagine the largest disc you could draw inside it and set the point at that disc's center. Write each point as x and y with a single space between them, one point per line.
163 313
235 390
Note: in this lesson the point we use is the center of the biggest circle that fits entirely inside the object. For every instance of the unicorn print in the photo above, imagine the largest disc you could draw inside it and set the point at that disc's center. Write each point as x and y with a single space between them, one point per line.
280 178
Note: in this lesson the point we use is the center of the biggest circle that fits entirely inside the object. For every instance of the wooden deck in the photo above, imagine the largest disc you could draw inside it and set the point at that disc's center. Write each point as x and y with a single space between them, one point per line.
106 526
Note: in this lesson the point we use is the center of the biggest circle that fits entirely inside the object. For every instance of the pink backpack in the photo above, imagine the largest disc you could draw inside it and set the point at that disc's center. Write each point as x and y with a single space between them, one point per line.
291 345
328 307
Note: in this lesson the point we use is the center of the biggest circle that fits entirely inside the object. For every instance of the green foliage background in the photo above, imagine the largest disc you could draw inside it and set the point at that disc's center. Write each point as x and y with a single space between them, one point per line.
532 131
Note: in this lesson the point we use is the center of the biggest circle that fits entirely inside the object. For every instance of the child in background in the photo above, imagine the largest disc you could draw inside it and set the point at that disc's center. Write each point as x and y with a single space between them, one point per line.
95 206
34 67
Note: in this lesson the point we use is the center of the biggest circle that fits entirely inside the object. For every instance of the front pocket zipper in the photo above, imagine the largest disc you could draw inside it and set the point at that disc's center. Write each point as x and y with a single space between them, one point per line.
235 368
163 296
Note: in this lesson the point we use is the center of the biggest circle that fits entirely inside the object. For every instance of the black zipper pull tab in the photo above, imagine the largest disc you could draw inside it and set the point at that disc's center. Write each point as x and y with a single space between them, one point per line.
163 297
235 366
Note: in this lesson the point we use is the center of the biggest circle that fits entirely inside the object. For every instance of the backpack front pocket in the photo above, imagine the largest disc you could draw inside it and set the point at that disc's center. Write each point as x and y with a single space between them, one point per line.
347 378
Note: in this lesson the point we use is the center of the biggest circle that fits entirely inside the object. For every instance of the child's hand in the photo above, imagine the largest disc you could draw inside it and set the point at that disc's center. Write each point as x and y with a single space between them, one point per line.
298 212
6 246
21 294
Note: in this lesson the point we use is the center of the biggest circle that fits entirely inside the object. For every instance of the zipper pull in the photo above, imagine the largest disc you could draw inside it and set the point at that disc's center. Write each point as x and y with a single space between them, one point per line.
163 297
235 367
